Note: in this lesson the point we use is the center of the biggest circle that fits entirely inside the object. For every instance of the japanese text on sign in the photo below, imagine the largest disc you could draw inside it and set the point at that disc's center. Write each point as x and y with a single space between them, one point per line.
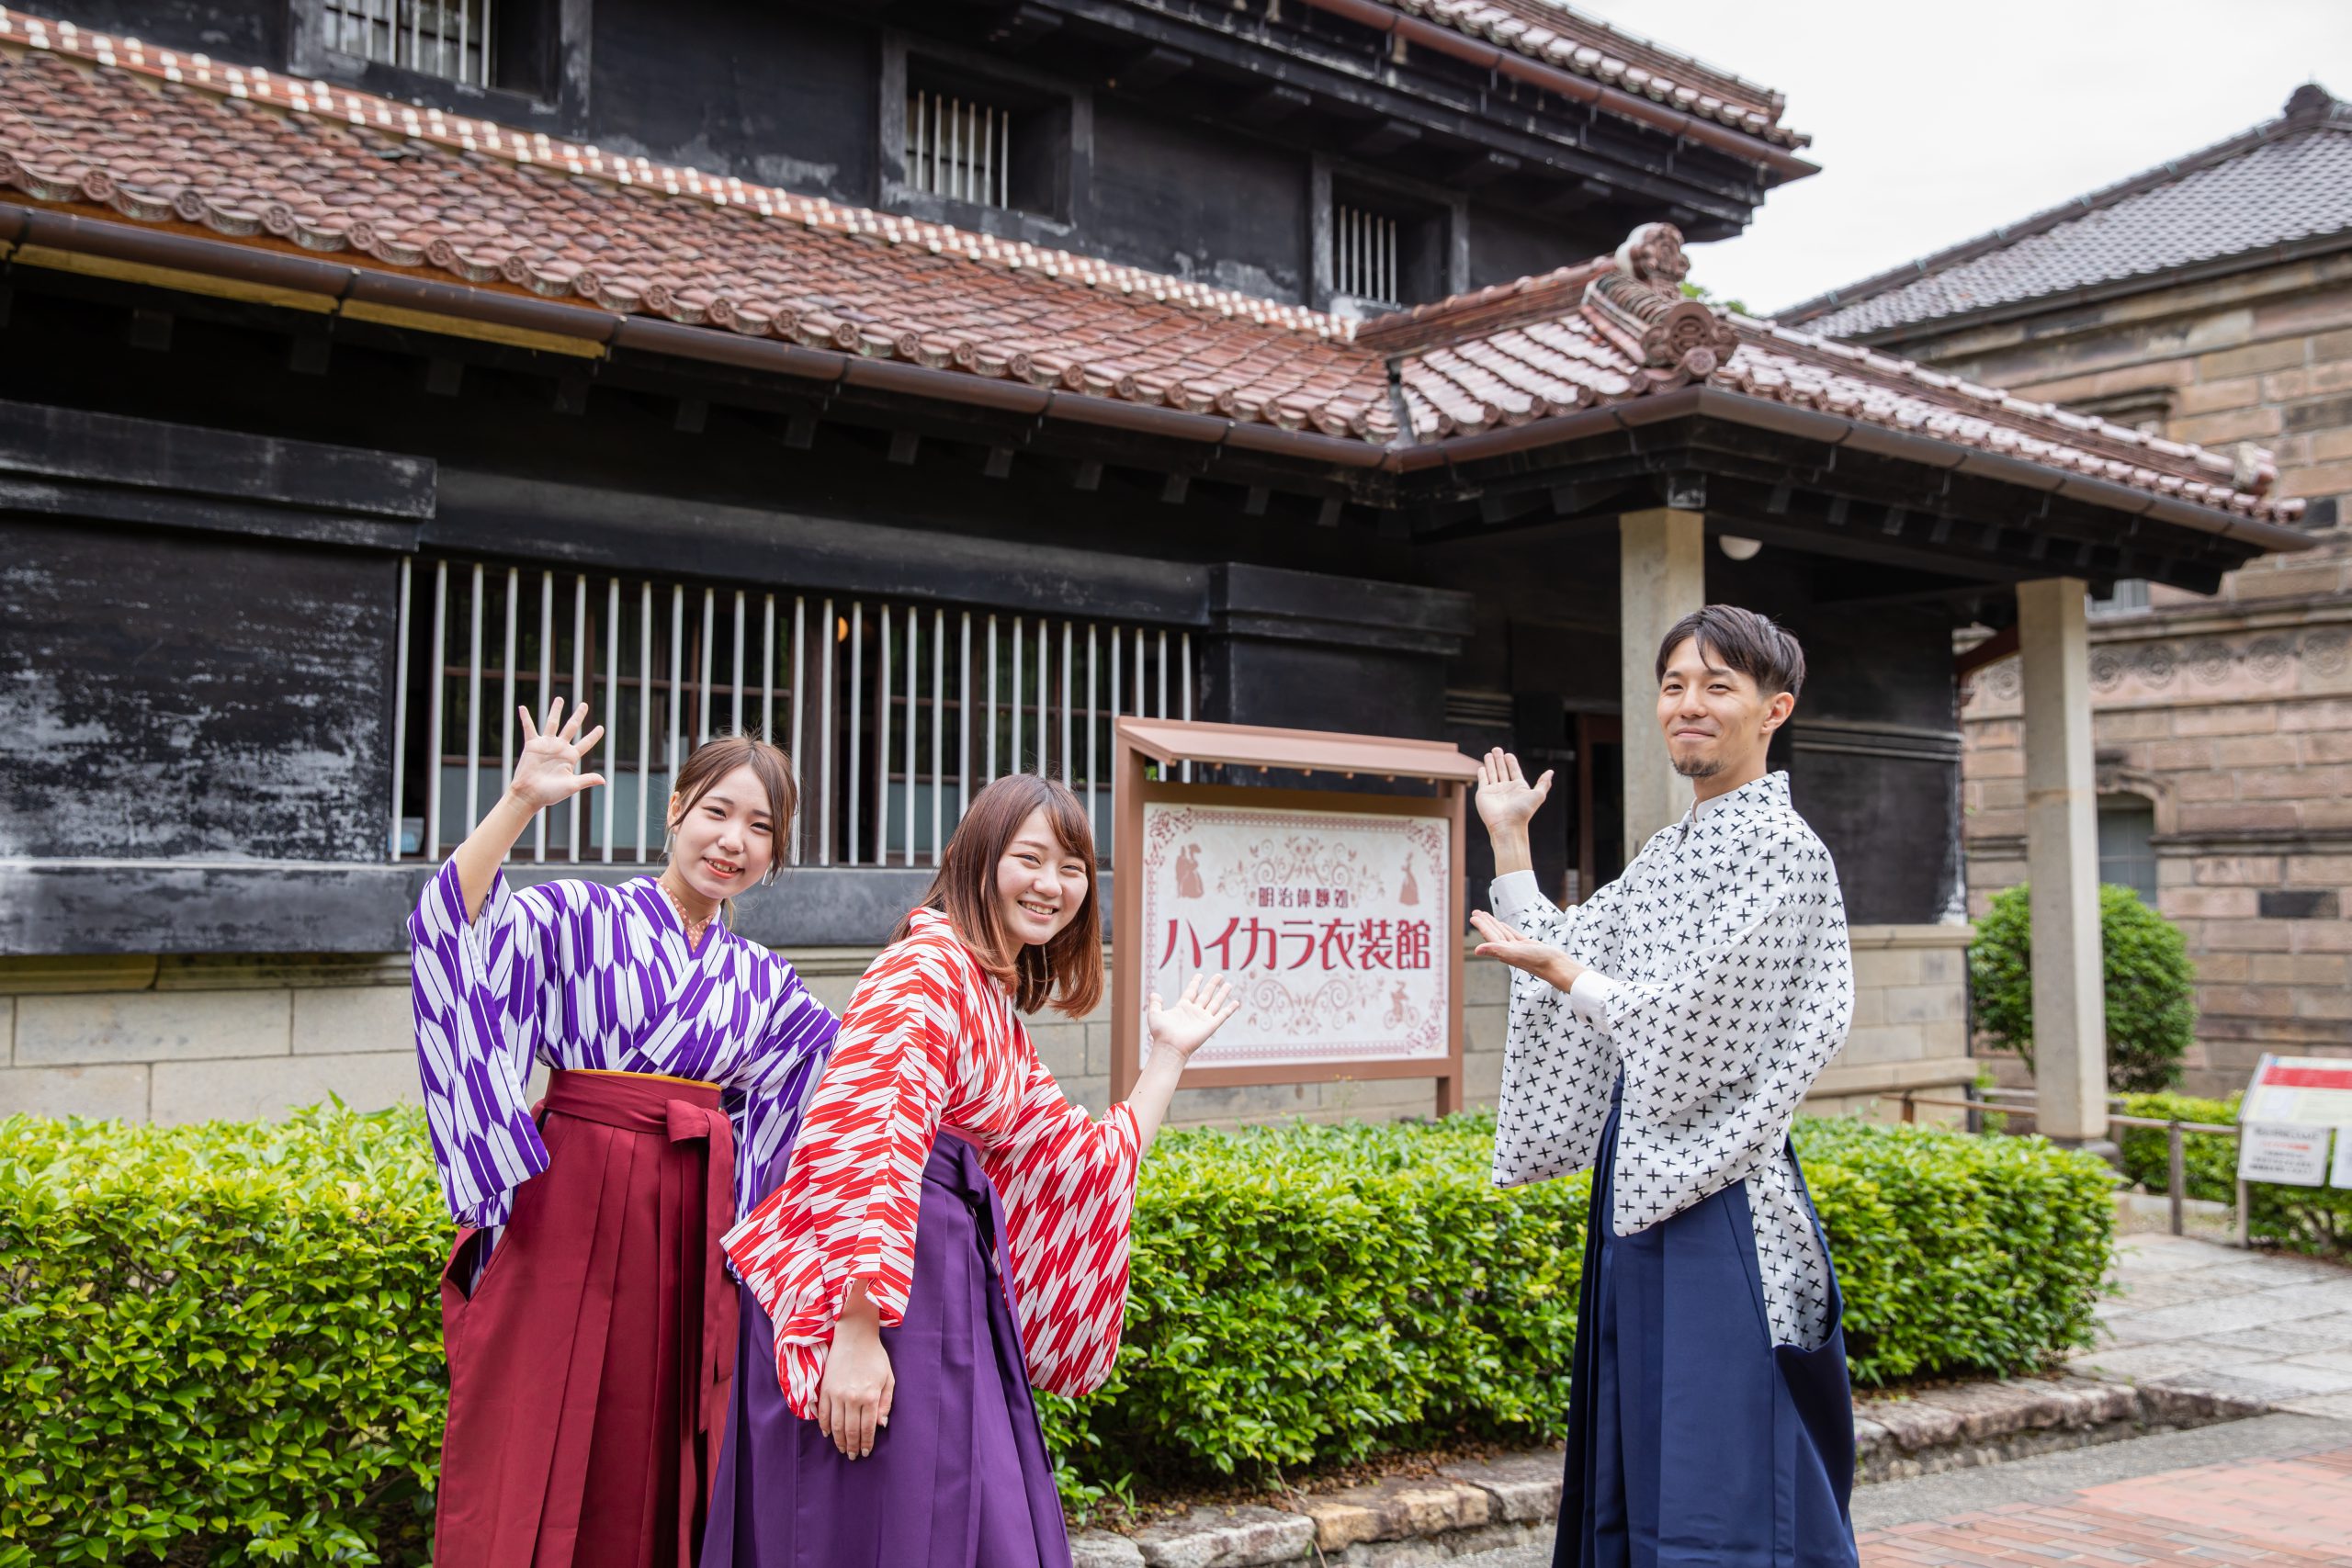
1328 923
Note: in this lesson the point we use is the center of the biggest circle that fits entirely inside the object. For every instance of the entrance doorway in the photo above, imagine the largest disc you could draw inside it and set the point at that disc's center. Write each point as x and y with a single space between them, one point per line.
1597 826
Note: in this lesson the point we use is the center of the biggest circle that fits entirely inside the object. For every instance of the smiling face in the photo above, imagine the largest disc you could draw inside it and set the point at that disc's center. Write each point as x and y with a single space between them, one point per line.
1041 883
724 842
1715 720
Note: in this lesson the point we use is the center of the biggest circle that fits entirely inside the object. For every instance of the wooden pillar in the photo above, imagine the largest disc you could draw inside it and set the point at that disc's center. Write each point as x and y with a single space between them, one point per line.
2062 861
1661 577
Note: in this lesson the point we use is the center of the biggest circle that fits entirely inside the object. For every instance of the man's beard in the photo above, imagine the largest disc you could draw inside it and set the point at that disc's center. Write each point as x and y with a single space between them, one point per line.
1698 767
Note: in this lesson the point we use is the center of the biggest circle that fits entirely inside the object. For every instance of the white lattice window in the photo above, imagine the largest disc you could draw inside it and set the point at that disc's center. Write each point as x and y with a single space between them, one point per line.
449 39
959 148
1366 250
895 714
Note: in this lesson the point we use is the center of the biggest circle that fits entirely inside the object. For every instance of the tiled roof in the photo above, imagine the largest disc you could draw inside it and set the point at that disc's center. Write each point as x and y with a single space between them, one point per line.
2285 181
1558 36
102 127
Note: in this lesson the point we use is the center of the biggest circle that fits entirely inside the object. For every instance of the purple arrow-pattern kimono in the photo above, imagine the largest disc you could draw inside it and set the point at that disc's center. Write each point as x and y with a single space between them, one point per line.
580 975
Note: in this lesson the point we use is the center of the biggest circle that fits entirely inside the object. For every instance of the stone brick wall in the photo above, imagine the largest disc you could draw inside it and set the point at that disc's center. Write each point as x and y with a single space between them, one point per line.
2232 715
184 1040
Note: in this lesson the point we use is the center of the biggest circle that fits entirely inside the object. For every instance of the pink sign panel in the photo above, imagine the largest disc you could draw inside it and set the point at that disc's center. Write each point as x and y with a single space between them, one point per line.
1330 925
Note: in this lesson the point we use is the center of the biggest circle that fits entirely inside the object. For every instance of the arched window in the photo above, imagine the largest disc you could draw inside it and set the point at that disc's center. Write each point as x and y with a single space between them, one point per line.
2127 825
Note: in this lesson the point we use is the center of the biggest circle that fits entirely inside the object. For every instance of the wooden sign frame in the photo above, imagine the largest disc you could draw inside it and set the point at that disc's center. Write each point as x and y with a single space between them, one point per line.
1138 743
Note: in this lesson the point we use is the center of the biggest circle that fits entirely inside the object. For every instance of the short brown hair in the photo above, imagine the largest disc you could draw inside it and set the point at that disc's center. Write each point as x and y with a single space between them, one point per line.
1743 640
1067 971
721 755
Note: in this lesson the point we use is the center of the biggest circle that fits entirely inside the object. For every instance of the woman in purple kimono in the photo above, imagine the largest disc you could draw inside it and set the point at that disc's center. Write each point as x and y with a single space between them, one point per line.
588 1322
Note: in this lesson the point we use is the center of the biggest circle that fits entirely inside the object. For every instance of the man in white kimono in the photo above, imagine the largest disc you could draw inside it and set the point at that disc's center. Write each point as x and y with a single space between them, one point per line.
1662 1035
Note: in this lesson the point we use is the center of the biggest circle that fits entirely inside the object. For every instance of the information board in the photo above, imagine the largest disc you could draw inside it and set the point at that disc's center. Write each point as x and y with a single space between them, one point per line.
2292 1109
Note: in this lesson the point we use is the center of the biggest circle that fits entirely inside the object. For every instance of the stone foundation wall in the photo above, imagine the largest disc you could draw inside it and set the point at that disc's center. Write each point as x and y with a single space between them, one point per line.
186 1040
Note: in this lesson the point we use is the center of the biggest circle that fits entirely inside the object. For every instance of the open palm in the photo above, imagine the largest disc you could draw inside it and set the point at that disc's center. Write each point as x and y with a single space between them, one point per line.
1200 1012
547 772
1505 797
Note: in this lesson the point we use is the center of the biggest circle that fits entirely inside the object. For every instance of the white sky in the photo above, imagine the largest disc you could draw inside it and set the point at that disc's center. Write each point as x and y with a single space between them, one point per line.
1935 120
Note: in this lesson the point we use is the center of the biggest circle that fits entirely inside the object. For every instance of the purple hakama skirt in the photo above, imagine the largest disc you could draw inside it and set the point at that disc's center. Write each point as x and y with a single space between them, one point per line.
959 1479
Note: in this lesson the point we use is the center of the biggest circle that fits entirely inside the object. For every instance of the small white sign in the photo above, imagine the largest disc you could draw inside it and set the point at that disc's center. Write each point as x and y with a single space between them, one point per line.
2296 1156
2340 1173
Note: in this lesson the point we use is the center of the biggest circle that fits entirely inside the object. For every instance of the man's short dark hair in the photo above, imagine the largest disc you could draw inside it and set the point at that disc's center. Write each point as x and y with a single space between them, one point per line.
1742 640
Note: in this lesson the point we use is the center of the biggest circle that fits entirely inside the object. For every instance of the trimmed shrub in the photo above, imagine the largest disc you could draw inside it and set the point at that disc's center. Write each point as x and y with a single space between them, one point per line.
223 1342
2317 1220
2150 983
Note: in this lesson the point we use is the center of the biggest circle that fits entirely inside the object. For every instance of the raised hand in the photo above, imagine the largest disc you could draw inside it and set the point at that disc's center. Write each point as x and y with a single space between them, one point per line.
547 772
1543 960
1506 800
1200 1012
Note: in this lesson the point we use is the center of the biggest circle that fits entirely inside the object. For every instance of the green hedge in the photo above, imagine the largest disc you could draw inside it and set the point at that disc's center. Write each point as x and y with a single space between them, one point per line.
2308 1219
223 1342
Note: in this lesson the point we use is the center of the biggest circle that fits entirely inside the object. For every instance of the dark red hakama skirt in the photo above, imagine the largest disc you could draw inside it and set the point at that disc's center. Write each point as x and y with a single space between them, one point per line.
591 1364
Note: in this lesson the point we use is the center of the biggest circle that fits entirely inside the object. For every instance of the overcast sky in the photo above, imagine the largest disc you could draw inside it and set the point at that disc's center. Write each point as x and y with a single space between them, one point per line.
1934 122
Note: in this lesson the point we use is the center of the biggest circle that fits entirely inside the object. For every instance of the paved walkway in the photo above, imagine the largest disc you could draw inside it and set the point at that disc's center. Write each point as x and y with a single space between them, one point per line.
2273 1490
2195 1315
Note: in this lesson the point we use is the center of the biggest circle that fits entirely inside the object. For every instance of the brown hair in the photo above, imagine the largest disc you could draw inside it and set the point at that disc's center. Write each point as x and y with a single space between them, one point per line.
721 755
1744 642
1067 971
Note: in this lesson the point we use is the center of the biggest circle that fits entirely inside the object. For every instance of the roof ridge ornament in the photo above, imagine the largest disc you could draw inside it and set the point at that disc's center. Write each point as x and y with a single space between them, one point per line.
1638 305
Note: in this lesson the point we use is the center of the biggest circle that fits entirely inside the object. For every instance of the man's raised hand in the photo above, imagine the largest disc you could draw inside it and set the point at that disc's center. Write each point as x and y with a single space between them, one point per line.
1506 800
547 772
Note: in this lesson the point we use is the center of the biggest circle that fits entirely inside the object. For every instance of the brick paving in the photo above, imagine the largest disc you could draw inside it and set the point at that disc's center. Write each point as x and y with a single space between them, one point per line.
2283 1511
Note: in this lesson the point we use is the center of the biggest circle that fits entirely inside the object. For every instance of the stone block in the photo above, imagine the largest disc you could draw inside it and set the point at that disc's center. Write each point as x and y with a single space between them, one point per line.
1881 966
1525 1489
1242 1537
2225 903
2220 429
2222 818
2114 725
268 1086
32 975
2278 353
2205 787
1062 1047
2170 756
2295 969
2327 714
2319 479
2319 871
2247 752
1924 1004
1102 1549
2235 871
1484 982
2326 445
2228 718
152 1026
1482 1080
2212 397
1395 1510
2243 936
2323 1001
116 1091
2310 381
1883 1042
347 1019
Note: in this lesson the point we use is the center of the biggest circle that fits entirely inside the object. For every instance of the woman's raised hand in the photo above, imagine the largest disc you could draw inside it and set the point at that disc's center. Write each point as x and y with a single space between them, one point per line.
547 772
1506 800
1200 1012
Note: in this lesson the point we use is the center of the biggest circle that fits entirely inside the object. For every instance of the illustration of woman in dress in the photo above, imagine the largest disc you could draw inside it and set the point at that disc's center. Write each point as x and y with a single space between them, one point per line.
1188 872
1409 891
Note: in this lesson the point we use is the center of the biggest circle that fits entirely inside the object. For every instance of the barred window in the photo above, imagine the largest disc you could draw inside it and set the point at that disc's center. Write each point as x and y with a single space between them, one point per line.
894 714
960 148
1365 250
450 39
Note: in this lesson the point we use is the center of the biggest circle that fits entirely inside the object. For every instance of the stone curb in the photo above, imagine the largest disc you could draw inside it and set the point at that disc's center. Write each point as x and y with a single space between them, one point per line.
1471 1507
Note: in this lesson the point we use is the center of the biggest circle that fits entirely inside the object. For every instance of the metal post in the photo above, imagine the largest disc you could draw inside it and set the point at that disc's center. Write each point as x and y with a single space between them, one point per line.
399 705
2176 1177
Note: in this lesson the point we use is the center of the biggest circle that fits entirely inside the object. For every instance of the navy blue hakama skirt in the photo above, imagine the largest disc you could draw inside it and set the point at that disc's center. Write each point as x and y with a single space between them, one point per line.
1693 1441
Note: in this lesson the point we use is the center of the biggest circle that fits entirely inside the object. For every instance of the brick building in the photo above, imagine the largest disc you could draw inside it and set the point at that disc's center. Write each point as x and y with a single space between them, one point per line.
2208 300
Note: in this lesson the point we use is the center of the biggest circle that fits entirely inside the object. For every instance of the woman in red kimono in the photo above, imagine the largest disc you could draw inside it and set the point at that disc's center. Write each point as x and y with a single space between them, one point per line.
951 1231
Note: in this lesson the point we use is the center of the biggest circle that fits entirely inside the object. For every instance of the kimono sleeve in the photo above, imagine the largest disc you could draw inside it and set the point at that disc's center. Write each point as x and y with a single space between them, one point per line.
852 1185
1557 1066
766 1096
1068 1186
477 988
1718 1057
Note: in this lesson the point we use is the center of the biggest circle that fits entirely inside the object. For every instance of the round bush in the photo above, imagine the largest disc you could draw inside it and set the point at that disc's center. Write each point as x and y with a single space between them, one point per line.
2150 983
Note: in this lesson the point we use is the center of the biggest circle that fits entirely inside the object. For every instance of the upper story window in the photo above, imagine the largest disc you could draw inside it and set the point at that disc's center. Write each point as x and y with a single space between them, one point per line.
1390 247
1364 260
2127 825
449 39
2129 594
959 147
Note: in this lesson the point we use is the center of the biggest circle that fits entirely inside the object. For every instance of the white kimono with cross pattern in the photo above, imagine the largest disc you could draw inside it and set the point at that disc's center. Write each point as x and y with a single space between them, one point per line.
1733 988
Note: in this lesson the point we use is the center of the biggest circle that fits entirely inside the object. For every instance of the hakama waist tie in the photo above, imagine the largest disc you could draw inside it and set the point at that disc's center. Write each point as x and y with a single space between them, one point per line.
591 1360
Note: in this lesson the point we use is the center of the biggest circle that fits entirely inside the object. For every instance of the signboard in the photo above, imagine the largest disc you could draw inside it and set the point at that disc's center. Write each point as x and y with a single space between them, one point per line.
2291 1108
1337 914
1328 921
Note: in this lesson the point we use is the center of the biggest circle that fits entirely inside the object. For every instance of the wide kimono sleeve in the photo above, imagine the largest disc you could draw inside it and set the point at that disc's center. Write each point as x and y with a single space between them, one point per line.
1068 1186
766 1096
853 1187
476 986
1557 1066
1719 1056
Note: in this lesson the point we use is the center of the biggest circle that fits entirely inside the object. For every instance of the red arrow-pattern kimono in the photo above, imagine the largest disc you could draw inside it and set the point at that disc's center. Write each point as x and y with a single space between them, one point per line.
930 1041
